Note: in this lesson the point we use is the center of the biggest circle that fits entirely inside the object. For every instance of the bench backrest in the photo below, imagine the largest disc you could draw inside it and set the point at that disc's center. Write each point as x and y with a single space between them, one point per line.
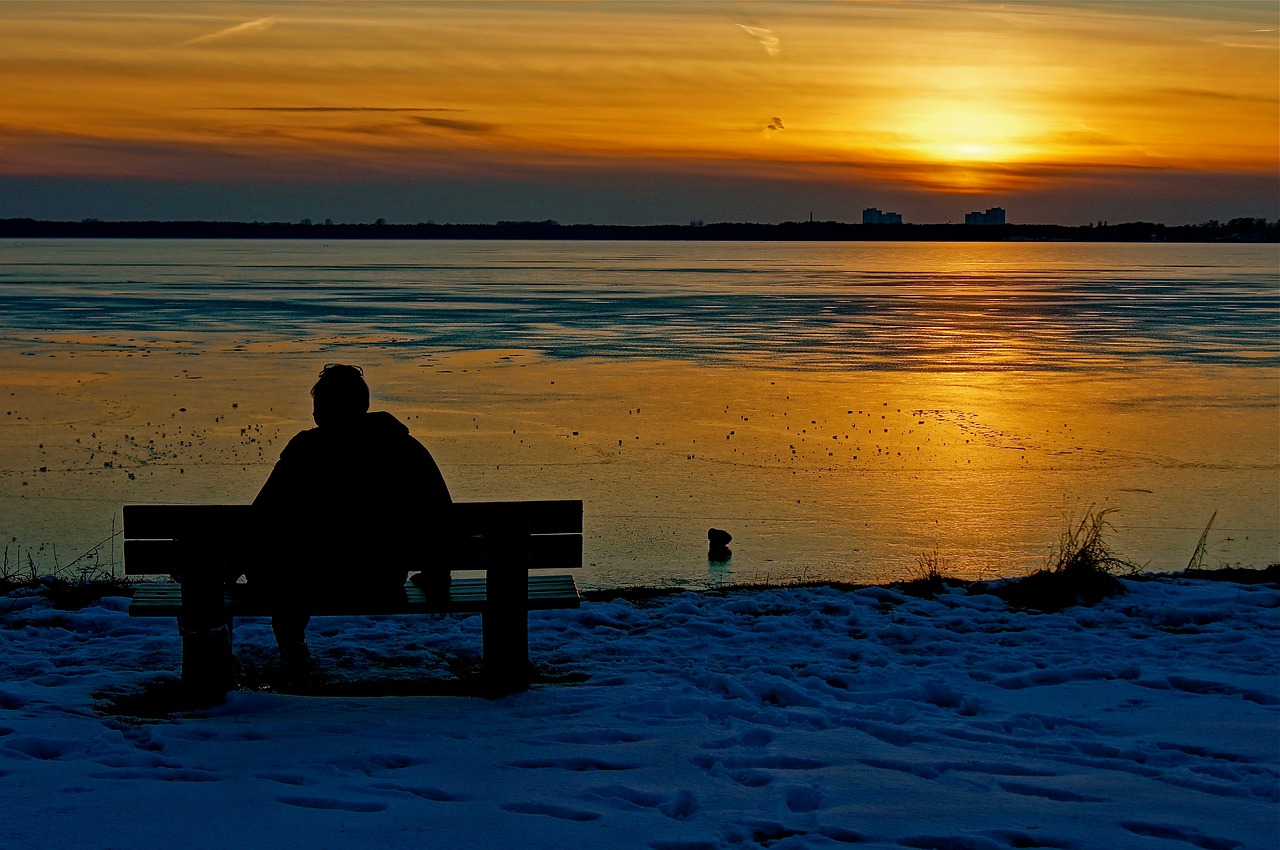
530 535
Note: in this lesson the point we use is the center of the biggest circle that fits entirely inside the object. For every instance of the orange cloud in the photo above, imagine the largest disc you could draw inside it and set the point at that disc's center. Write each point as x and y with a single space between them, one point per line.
948 97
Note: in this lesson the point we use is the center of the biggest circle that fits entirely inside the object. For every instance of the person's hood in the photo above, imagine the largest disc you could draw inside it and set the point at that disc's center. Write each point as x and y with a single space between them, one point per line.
368 428
381 422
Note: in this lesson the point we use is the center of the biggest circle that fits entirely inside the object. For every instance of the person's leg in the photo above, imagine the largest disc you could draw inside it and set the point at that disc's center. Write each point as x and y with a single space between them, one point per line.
289 616
289 626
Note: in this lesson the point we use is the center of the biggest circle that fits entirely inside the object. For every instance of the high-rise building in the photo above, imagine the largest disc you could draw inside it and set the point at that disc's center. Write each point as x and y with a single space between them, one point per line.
875 216
994 215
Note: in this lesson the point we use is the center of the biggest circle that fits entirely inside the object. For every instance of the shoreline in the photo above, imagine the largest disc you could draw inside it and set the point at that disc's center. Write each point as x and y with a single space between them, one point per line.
1240 230
927 587
1065 588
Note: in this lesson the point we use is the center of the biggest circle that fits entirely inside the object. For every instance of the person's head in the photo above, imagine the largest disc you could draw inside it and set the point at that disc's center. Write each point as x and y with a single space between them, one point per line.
341 395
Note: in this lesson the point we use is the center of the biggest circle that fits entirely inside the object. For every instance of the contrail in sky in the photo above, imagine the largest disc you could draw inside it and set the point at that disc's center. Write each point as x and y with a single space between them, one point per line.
247 28
770 42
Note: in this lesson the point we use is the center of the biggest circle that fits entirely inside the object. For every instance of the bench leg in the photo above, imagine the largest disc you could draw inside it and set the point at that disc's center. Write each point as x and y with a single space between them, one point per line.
506 650
506 631
208 666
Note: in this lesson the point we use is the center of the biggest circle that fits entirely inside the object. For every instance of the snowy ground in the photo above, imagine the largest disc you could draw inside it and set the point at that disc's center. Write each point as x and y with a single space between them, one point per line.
779 718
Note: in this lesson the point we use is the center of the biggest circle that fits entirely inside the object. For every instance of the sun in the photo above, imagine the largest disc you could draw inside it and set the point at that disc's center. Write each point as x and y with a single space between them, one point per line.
966 133
962 143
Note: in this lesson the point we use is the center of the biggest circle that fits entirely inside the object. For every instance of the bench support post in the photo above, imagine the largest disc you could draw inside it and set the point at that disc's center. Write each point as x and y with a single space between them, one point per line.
506 616
208 666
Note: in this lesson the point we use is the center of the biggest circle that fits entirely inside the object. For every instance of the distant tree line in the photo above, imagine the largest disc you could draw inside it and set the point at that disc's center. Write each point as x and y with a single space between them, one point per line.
1235 230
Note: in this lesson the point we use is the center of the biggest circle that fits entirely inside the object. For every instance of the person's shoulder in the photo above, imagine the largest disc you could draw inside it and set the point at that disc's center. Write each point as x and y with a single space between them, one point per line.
384 423
393 435
302 441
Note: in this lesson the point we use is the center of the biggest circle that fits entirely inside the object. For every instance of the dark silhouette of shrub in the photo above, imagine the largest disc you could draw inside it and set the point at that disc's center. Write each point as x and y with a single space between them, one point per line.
1080 572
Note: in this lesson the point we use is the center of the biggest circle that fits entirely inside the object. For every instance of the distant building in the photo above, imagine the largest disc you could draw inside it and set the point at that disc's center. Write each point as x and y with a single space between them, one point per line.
875 216
995 215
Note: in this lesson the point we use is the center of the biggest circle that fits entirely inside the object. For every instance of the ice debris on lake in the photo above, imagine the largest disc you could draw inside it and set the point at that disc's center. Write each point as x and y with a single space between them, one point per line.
782 718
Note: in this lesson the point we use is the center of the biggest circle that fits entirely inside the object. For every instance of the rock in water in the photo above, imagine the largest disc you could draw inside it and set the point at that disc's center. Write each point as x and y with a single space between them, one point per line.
719 545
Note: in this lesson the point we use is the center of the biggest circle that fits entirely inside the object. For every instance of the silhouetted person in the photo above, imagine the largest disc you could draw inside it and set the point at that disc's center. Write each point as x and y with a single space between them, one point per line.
347 511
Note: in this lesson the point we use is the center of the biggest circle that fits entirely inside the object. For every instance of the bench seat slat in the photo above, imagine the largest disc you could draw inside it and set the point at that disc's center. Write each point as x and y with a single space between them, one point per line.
544 552
546 592
458 588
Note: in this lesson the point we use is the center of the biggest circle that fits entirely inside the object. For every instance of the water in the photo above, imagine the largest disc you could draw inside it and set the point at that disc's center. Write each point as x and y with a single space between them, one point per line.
915 306
840 408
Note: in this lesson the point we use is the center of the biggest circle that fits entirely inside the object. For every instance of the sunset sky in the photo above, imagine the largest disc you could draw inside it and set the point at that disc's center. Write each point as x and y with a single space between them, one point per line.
640 112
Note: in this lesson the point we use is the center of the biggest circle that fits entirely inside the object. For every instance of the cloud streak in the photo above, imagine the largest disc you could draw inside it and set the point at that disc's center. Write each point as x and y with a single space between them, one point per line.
413 113
770 42
337 108
454 124
261 25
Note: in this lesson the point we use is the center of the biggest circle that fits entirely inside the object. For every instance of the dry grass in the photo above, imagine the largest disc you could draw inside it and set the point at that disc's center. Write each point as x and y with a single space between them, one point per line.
69 587
1197 557
1083 547
1081 570
930 577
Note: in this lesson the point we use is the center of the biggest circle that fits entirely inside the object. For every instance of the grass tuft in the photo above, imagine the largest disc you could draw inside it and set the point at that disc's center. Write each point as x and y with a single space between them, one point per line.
1269 574
1080 571
1083 548
68 588
930 577
1197 557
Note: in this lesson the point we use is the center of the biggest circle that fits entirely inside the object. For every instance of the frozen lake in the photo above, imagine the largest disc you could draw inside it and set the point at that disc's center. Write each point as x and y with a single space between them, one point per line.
839 408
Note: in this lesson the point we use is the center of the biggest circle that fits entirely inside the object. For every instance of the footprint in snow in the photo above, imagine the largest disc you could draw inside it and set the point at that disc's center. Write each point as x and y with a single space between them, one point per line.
1179 833
374 762
423 792
1202 752
934 770
1056 794
754 738
803 798
767 762
41 749
551 811
573 763
1205 687
286 778
160 774
592 736
680 806
332 804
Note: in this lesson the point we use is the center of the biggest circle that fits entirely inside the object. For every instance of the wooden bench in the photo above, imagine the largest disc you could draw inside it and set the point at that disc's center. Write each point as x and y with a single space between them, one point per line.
198 546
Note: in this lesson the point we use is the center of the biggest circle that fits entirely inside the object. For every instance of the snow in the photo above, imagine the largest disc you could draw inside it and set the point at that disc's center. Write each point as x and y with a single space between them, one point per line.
785 718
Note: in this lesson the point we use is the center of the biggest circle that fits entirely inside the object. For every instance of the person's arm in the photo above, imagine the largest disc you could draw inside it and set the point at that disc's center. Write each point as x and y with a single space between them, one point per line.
426 503
434 489
271 510
283 484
